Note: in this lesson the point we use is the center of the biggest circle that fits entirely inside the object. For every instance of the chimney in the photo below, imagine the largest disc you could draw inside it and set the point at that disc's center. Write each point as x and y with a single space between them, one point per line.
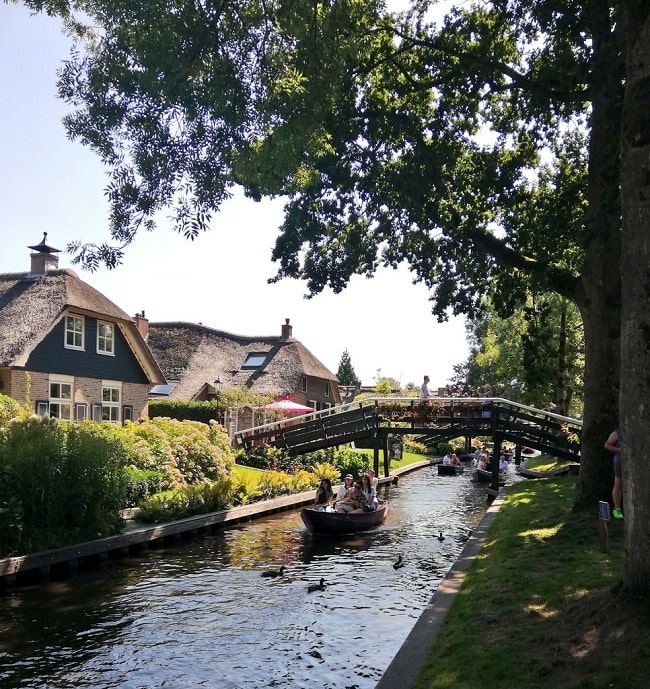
287 330
43 260
142 324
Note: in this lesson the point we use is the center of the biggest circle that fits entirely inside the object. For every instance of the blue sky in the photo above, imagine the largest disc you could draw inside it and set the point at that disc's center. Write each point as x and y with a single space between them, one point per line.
49 184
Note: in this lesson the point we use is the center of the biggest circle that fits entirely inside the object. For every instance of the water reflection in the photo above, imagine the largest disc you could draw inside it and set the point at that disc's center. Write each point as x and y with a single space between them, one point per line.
201 615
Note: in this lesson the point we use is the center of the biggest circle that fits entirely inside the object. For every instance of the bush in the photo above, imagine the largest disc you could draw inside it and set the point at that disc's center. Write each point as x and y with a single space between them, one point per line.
60 484
445 448
141 485
351 462
185 452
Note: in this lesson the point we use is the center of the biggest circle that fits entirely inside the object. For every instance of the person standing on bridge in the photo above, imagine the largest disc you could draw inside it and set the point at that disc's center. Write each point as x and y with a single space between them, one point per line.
424 389
615 444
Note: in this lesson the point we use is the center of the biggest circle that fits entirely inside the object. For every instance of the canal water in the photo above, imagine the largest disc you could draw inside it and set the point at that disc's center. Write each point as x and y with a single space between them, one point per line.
201 615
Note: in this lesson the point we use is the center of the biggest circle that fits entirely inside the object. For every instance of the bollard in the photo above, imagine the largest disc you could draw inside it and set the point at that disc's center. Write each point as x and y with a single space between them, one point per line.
604 517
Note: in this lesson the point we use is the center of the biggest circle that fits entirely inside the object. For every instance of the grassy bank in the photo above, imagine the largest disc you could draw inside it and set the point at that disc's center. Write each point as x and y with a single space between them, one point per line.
541 606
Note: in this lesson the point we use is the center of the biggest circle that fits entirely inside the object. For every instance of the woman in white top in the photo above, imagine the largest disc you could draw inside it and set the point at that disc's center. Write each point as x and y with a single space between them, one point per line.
345 487
369 494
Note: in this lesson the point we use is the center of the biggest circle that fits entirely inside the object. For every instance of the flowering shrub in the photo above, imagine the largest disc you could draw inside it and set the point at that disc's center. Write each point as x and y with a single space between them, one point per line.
185 452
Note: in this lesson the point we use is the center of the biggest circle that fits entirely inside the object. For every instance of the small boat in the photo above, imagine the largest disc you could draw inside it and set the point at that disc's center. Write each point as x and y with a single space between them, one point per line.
558 471
482 476
327 522
449 470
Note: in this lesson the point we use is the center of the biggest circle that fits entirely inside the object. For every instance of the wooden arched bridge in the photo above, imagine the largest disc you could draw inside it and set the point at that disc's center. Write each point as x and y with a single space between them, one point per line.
375 423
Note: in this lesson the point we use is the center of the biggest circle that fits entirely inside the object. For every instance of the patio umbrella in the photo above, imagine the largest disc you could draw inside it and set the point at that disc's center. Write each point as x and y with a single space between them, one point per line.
288 406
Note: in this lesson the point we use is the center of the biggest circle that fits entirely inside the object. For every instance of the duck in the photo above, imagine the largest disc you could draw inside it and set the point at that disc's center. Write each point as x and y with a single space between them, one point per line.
274 572
441 538
316 587
399 563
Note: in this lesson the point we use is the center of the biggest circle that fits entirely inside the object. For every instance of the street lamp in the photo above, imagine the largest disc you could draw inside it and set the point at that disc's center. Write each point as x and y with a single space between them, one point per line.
218 386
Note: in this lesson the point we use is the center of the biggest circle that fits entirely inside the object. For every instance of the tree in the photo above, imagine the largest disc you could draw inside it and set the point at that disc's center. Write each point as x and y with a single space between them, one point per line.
535 356
345 373
485 153
635 353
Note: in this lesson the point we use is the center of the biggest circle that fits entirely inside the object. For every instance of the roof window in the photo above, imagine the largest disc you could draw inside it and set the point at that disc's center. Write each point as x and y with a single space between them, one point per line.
255 360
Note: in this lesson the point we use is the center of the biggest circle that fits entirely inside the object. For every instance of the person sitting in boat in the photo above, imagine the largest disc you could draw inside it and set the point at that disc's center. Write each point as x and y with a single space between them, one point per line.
324 495
503 464
373 478
446 460
345 487
488 462
482 461
368 494
454 461
352 501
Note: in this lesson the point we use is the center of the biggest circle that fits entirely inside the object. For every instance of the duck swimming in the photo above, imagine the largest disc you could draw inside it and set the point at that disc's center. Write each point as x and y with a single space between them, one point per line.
316 587
274 572
441 538
399 563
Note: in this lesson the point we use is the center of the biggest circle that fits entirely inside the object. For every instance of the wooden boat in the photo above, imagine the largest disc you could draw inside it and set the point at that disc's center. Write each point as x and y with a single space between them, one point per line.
559 471
449 470
482 476
339 522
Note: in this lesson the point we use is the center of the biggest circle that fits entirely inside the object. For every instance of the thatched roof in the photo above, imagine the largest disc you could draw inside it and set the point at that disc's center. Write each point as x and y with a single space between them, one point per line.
30 306
196 355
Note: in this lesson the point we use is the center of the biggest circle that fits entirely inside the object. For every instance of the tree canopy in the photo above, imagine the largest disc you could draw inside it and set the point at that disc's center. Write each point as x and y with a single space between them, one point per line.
482 149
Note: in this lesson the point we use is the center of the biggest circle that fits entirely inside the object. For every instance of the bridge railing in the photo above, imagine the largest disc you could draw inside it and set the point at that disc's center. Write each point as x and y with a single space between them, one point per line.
471 415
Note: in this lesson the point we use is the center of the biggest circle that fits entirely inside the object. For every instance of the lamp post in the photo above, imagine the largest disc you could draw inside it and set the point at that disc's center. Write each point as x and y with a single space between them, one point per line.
218 386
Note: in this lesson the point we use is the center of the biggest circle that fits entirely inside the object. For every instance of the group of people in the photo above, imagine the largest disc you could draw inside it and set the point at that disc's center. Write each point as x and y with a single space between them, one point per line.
482 459
351 496
451 460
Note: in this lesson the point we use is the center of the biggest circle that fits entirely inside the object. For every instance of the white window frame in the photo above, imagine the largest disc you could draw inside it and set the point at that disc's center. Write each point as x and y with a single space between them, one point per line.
76 333
80 411
111 401
106 342
61 397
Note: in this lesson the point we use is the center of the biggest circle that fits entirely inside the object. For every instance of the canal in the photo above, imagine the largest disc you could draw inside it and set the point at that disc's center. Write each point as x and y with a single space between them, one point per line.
201 615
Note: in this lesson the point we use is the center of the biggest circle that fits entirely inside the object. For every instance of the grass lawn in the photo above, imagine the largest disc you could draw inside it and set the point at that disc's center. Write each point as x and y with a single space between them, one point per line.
541 607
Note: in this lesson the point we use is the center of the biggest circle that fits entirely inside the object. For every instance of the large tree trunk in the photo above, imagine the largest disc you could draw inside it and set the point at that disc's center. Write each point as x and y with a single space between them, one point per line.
600 302
635 349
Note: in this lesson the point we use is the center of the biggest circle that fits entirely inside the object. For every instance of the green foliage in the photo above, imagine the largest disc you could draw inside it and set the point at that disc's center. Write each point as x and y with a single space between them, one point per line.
184 410
141 485
184 452
445 448
535 356
59 484
412 445
345 372
9 409
351 462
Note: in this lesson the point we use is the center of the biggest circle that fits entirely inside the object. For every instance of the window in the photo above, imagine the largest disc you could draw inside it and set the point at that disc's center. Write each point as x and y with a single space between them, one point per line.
74 332
127 413
313 404
255 360
105 338
61 398
304 384
80 411
97 411
327 389
111 399
42 408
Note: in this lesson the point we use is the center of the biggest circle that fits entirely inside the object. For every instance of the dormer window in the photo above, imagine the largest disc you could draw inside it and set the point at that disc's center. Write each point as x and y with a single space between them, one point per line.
74 332
255 360
105 338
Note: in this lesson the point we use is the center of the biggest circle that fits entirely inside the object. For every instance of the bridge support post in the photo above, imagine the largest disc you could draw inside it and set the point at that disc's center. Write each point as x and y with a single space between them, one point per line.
496 454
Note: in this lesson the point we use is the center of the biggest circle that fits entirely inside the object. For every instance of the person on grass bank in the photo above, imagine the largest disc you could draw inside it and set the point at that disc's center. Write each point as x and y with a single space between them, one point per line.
614 444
